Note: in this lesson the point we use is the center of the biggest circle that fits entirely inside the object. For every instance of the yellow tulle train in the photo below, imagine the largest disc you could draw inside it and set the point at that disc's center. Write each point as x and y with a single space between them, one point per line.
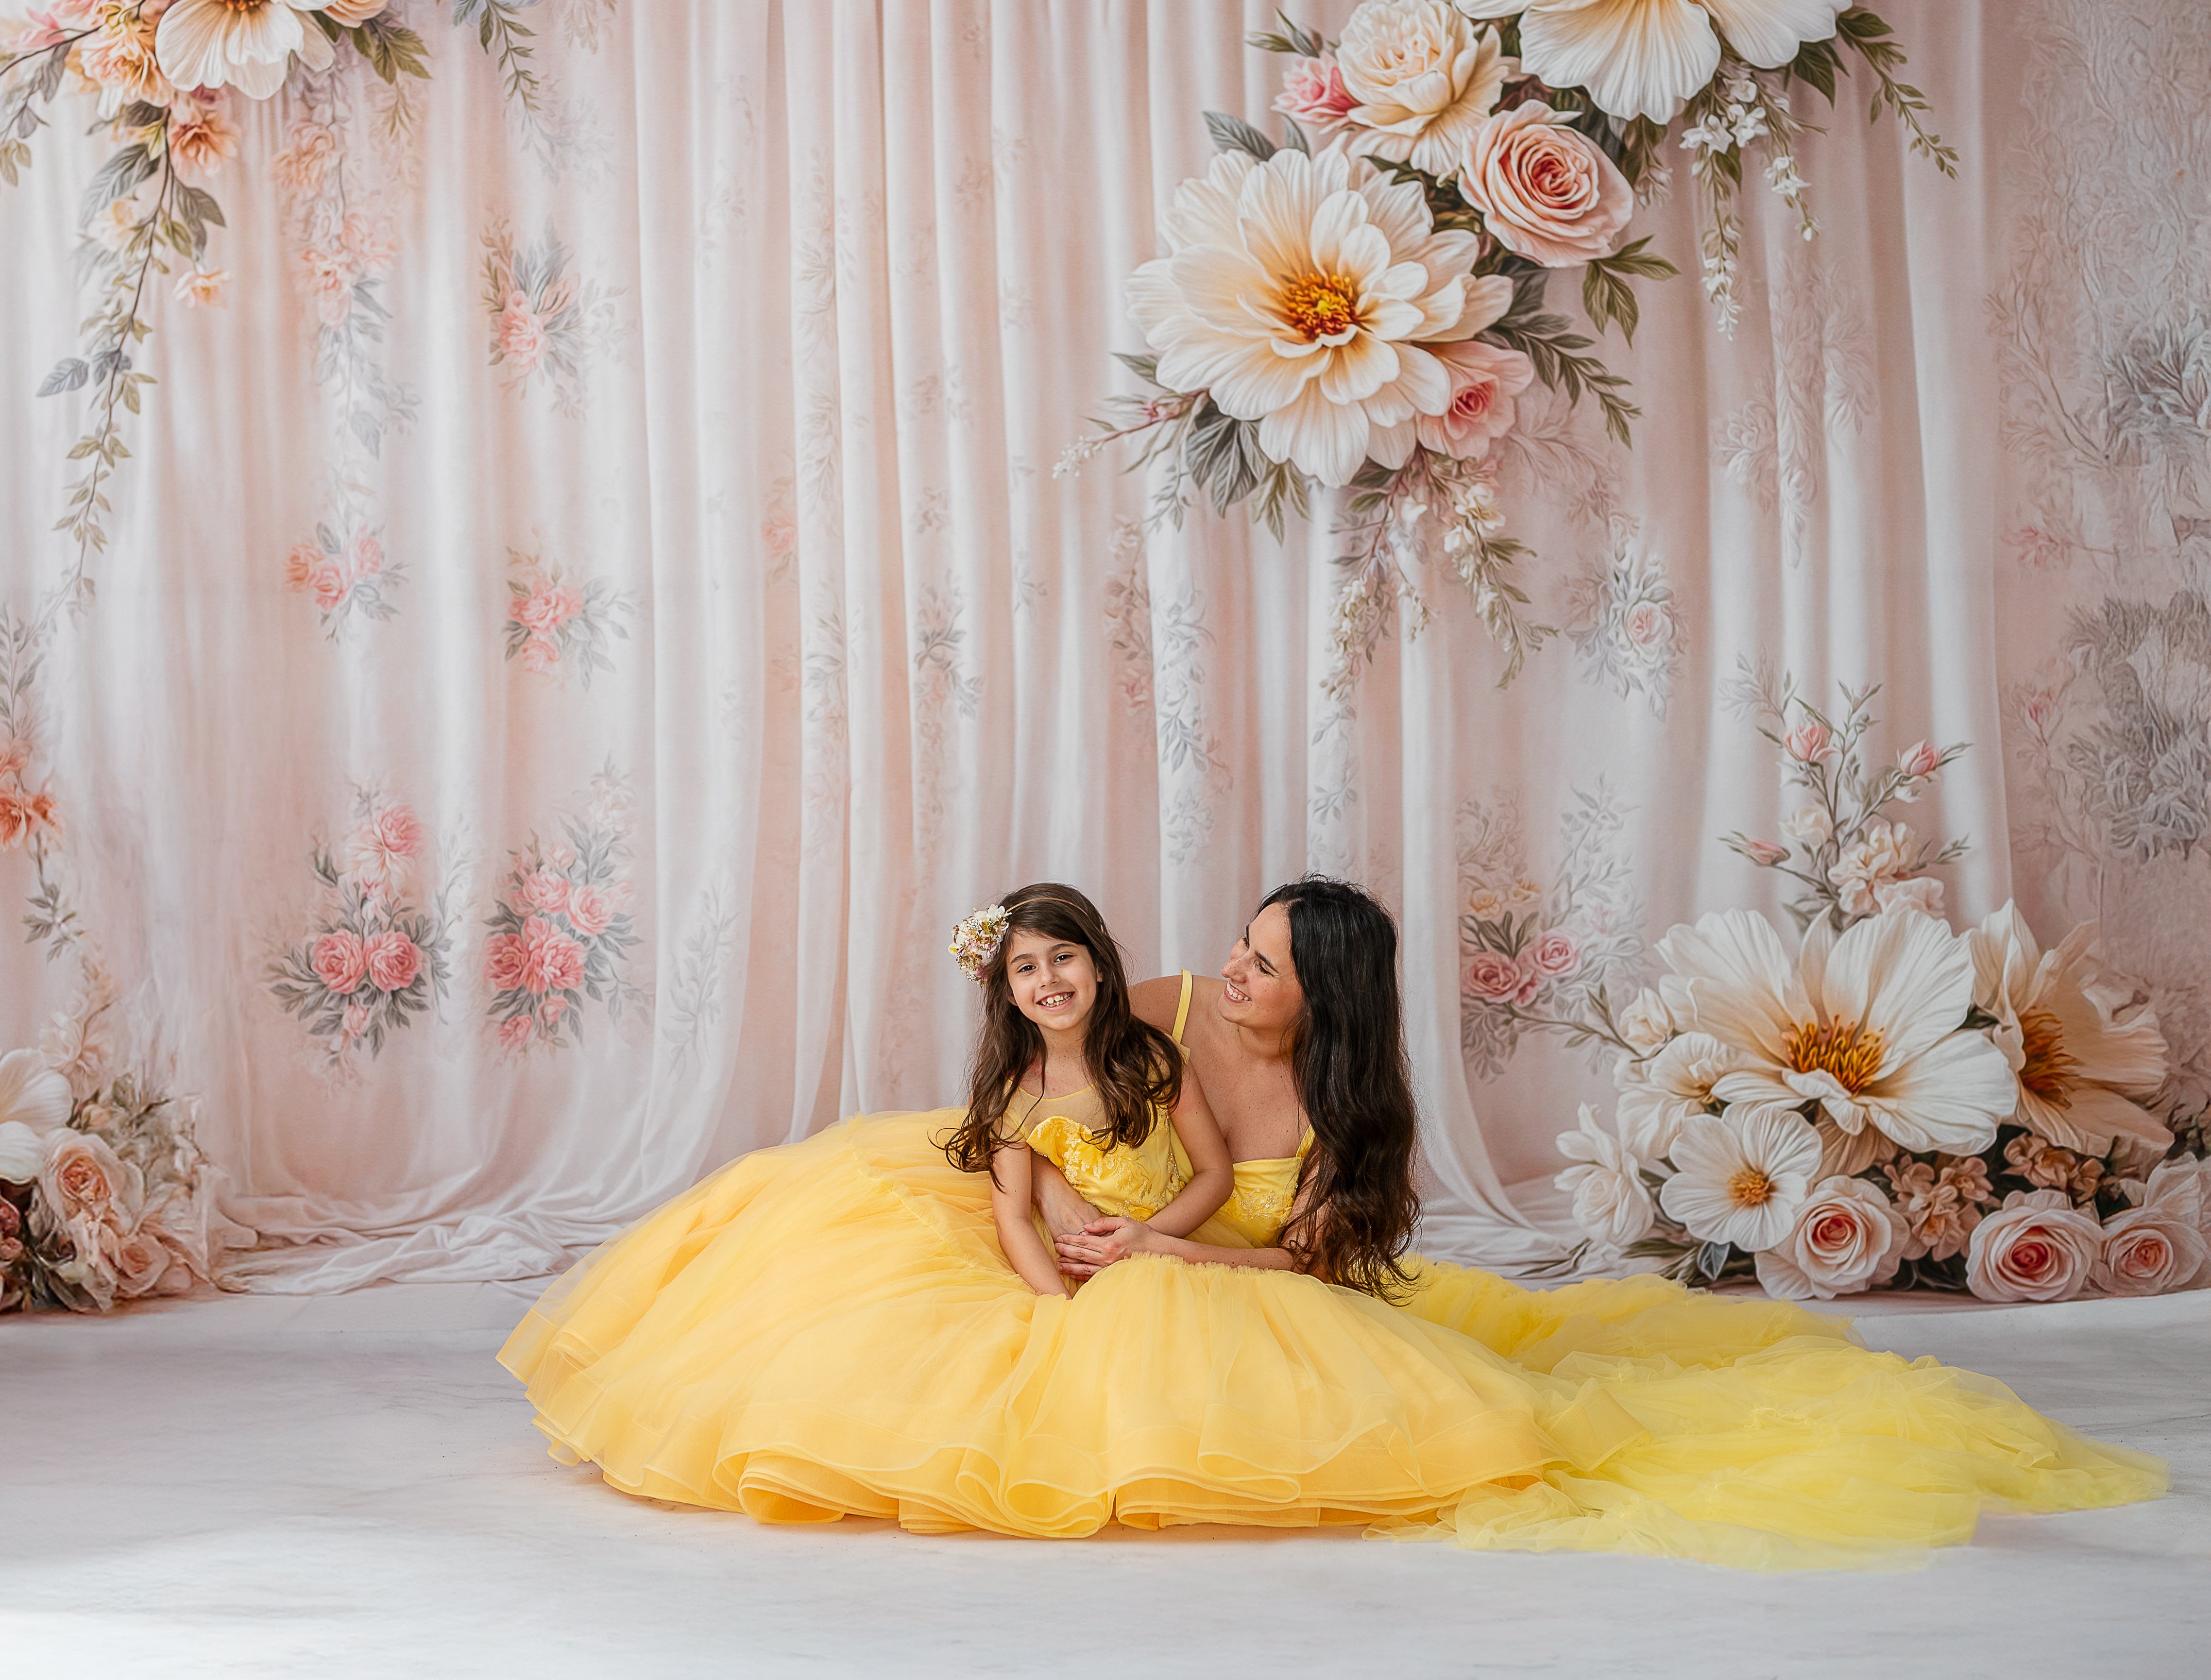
830 1329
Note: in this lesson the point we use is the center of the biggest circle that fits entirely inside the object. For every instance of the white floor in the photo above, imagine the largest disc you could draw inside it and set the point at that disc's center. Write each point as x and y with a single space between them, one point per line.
349 1486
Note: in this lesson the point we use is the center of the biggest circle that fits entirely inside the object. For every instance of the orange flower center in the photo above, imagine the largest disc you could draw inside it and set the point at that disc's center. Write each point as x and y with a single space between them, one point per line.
2048 1071
1321 306
1844 1049
1749 1187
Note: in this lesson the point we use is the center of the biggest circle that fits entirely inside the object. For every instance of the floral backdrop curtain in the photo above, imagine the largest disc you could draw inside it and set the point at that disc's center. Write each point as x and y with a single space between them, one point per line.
629 493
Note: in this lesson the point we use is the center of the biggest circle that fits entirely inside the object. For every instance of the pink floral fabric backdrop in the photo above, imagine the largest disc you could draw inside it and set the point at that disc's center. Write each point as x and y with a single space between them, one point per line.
595 606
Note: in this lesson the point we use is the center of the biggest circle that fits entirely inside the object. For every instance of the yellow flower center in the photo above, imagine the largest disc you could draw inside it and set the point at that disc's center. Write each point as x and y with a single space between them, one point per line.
248 5
1749 1187
1321 306
2047 1071
1844 1049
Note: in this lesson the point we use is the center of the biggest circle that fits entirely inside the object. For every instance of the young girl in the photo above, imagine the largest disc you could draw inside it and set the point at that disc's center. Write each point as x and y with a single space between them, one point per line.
1063 1069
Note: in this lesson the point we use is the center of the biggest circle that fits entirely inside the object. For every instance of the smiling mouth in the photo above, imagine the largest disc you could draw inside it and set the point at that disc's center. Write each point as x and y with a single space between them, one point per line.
1055 1000
1234 996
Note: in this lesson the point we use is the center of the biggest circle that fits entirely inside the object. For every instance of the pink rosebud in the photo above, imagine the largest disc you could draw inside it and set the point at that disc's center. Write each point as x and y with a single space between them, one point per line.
394 960
552 1009
514 1031
1918 762
540 656
327 582
1557 952
519 334
1810 742
589 913
356 1020
339 960
1492 976
1313 93
1648 623
545 890
1765 853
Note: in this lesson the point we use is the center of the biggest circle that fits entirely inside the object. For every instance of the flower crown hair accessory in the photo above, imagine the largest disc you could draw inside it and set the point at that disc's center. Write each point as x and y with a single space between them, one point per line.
977 939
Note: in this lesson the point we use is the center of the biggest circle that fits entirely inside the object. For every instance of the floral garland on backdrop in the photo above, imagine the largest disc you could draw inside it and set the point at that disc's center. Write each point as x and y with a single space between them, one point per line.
1363 315
1897 1103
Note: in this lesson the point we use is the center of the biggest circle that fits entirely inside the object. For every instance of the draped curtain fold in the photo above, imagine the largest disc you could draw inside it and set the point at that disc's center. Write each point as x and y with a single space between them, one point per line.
744 597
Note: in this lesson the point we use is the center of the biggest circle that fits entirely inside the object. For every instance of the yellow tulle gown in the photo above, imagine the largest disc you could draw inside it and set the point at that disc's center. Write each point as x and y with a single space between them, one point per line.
831 1328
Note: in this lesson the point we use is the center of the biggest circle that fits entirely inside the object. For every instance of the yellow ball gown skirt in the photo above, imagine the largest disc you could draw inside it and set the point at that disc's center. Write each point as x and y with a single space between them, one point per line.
831 1328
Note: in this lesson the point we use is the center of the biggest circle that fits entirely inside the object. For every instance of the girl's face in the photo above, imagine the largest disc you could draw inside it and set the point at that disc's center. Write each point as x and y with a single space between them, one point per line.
1054 981
1261 991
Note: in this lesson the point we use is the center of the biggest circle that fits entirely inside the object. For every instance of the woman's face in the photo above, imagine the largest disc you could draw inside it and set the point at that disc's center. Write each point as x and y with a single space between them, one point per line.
1261 990
1054 981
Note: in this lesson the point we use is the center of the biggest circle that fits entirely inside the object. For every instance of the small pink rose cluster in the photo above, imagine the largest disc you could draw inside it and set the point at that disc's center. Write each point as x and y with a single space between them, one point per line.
331 580
342 959
539 963
522 332
1501 977
549 605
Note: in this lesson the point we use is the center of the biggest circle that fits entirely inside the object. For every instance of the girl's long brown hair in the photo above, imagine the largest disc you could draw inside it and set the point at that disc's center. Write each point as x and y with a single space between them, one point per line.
1135 1068
1348 1056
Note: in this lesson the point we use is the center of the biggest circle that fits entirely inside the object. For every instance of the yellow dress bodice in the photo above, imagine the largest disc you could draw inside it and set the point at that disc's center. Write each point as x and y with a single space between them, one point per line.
1133 1180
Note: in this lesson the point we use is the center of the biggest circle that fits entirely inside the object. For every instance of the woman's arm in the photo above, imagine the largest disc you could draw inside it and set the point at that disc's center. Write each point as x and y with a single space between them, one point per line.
1017 1235
1212 1175
1103 1241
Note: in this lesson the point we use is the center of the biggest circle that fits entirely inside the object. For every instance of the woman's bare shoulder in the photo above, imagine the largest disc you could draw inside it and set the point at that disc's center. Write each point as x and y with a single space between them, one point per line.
1156 1001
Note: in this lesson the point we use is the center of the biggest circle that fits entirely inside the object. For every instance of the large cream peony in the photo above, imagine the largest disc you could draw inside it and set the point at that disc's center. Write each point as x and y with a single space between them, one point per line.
247 43
1869 1026
1295 291
1643 58
1423 77
1610 1201
2086 1059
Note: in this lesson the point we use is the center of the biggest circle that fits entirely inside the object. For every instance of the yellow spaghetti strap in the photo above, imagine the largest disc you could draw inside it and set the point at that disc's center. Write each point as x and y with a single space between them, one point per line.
1182 1009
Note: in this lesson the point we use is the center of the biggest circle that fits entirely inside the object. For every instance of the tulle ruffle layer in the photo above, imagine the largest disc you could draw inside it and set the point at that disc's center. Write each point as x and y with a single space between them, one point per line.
830 1329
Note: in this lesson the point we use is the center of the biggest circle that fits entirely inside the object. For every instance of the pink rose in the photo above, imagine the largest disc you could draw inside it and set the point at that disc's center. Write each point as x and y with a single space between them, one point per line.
2035 1247
520 334
505 962
514 1031
394 831
1809 743
85 1184
364 555
299 566
545 890
551 961
1556 953
394 960
2148 1251
339 962
540 656
1544 191
1531 979
552 1009
1765 853
1313 93
1493 977
589 913
1848 1237
356 1020
1648 624
1484 379
328 583
534 611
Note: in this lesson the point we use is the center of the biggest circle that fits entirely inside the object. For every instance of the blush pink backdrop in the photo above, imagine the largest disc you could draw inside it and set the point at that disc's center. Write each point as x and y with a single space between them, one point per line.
748 597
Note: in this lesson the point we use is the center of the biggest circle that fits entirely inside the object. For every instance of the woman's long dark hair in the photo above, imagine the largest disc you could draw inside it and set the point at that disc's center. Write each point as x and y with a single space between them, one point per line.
1347 1055
1135 1068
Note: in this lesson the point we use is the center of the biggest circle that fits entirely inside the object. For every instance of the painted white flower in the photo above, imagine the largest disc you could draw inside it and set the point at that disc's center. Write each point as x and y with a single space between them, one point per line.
1643 58
2086 1058
1646 1022
247 43
1808 826
1424 78
1883 854
1294 291
1848 1237
1869 1026
1920 893
1674 1086
1610 1201
1742 1178
34 1101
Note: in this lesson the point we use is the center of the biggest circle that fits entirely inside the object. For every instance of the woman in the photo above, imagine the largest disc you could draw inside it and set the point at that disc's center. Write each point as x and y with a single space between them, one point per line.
832 1328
